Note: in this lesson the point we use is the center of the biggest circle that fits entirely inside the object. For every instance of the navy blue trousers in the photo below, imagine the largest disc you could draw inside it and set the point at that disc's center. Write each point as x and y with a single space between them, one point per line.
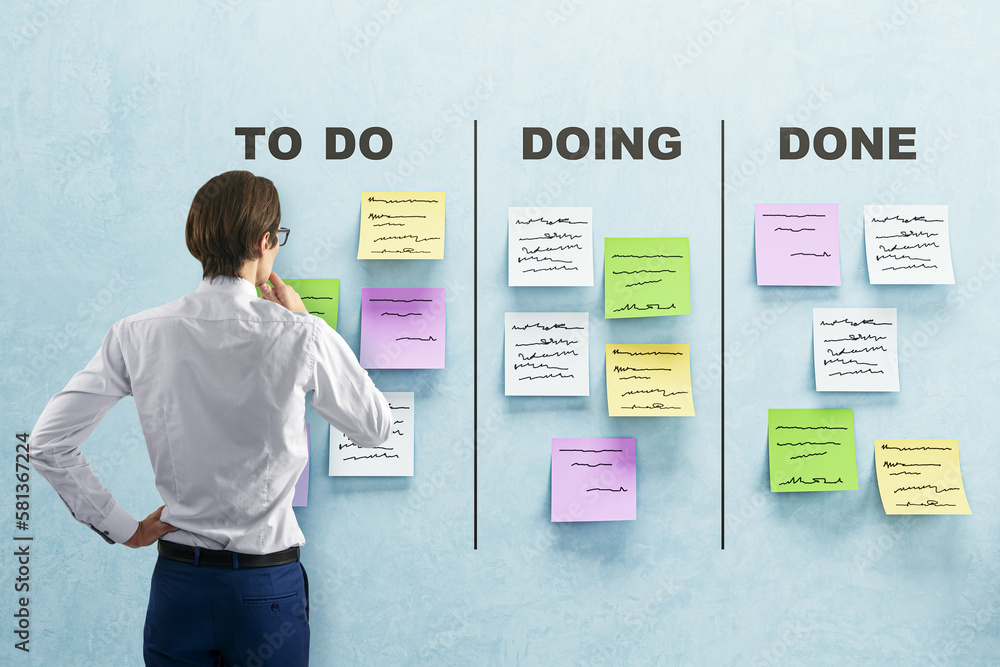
201 615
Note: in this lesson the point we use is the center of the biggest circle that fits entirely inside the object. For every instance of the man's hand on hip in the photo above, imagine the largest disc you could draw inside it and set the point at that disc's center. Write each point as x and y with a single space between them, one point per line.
282 294
149 531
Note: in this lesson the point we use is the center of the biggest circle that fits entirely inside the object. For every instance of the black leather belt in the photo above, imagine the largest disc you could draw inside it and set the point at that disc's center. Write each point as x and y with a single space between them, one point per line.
220 558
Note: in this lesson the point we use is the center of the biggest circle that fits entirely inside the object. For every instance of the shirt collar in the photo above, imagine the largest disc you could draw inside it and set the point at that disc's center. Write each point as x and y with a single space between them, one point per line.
230 284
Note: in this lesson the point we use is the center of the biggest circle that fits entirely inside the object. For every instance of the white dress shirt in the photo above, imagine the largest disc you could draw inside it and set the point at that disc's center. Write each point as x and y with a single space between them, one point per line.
219 378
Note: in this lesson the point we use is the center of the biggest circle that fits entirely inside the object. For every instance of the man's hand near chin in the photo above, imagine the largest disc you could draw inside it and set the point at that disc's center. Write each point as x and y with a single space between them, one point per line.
282 294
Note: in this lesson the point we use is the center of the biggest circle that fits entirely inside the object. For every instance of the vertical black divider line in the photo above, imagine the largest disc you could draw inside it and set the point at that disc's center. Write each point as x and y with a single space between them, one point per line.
722 351
475 334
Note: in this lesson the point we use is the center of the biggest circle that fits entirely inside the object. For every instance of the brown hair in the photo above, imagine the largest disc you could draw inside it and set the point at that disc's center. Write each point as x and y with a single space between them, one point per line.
228 216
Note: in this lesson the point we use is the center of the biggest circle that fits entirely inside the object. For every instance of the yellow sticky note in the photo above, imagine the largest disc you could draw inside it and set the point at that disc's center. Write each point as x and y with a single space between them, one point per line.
920 477
649 380
402 225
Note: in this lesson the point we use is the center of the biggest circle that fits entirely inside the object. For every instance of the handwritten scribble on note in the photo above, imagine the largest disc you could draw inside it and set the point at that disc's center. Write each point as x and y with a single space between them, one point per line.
649 380
551 246
646 277
811 450
402 327
320 296
402 225
797 244
593 479
908 245
854 349
546 354
920 477
393 458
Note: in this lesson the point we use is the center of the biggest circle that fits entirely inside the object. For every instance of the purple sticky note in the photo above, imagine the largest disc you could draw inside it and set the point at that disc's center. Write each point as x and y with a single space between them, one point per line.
593 479
402 327
301 495
797 244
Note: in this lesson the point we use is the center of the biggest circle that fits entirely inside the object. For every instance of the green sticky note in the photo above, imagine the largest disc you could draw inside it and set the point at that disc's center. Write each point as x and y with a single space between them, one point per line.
646 277
811 450
320 296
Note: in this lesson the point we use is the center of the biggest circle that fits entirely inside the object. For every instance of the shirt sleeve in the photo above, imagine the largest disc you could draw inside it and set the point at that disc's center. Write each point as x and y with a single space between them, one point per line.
344 394
66 422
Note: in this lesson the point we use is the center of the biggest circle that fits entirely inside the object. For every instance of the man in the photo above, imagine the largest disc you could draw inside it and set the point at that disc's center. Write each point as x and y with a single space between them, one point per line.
219 378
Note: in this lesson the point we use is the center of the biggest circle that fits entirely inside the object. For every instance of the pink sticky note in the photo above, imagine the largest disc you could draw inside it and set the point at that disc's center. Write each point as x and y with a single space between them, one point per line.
797 244
593 479
301 495
402 327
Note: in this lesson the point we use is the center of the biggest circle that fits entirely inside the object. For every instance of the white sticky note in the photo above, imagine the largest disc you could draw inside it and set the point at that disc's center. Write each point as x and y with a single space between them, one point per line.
393 458
855 349
546 354
908 245
552 246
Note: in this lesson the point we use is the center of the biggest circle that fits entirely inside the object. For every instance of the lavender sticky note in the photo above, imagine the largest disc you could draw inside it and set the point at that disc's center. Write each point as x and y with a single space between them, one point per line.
593 479
402 327
797 244
301 496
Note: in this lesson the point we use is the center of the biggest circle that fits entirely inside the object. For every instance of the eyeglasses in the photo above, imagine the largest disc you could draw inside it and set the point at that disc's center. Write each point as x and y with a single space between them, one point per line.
282 235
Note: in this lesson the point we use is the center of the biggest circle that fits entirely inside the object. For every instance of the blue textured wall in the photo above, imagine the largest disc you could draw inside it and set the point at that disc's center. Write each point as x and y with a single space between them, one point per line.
111 119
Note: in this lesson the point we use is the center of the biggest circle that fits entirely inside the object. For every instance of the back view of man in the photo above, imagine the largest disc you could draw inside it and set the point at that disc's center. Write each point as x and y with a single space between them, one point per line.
219 378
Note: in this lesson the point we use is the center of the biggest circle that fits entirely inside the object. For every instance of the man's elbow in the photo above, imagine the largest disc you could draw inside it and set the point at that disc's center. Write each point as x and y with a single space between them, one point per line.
48 452
379 427
384 423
